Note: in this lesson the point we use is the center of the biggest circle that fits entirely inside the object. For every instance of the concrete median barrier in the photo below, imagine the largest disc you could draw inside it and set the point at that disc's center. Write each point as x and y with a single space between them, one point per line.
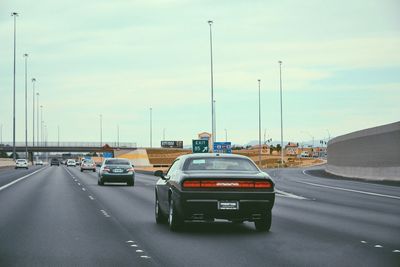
372 153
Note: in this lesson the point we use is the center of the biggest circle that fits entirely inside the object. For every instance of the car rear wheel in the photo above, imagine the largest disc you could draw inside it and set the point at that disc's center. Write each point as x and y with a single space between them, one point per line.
174 221
160 217
264 223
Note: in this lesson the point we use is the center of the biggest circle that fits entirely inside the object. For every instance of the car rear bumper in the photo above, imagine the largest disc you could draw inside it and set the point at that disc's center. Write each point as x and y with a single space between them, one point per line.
117 178
88 168
204 205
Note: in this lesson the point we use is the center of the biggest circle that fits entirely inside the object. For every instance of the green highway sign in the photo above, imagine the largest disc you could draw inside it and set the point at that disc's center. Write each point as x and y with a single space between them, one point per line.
200 146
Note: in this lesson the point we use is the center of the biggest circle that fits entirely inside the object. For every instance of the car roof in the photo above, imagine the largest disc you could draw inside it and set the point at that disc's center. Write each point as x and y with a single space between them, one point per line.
212 155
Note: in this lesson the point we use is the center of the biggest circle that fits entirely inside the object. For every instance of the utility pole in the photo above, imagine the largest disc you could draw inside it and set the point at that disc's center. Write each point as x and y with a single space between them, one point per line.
15 15
37 121
33 111
58 135
101 130
210 22
26 105
164 134
259 123
280 85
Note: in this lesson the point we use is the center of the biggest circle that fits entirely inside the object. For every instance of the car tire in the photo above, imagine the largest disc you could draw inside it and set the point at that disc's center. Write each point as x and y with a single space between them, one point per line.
130 183
174 220
160 216
81 170
264 224
94 170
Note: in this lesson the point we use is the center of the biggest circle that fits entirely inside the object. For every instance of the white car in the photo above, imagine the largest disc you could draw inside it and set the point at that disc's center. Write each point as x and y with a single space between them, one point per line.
71 162
39 162
21 163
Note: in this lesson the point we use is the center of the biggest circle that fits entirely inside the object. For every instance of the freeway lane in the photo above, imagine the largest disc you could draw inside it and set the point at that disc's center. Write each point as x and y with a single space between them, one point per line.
329 227
9 174
46 220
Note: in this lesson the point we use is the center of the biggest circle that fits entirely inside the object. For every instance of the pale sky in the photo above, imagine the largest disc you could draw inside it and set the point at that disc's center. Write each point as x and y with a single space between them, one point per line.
341 67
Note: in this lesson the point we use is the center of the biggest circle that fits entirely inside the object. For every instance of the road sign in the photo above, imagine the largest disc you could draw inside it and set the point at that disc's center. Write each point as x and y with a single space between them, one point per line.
222 147
200 146
107 155
172 144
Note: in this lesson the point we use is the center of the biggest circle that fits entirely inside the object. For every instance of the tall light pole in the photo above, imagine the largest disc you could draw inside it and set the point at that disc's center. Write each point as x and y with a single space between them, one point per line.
151 127
259 123
26 105
163 134
33 111
15 15
210 22
1 133
215 121
101 130
41 125
37 121
280 86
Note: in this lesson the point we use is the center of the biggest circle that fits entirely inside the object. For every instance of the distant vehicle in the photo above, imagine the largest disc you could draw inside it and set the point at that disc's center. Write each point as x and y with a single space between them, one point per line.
77 163
204 187
304 154
39 162
54 162
88 164
21 163
71 163
116 170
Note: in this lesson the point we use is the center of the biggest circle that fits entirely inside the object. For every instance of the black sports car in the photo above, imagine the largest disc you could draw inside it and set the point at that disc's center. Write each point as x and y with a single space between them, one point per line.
204 187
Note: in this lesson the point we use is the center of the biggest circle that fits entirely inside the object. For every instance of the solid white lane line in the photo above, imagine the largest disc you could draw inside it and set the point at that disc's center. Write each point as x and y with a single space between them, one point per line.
350 190
286 194
20 179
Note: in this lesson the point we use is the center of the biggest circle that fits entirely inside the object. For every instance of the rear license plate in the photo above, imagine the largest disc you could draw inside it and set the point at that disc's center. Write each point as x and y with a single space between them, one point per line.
117 170
228 205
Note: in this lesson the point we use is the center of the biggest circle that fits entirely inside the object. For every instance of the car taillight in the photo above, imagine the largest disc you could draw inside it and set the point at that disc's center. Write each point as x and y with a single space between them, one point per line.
106 170
262 185
191 184
226 184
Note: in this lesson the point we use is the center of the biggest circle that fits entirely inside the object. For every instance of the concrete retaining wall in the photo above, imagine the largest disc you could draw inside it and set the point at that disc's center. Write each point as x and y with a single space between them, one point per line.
373 153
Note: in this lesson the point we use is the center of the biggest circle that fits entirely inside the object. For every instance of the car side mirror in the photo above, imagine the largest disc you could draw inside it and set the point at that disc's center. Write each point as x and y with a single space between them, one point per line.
160 174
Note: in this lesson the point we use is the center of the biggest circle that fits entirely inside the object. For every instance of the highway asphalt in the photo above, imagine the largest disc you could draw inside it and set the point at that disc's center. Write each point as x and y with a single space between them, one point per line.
59 216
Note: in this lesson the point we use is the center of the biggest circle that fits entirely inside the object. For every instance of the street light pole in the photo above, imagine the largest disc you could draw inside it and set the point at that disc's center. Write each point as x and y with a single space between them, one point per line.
37 121
215 121
33 111
151 127
210 22
117 136
280 85
26 105
164 134
41 125
15 15
259 123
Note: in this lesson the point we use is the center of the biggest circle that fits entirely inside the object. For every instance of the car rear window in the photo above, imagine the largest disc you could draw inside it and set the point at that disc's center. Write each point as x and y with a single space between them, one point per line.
21 160
117 162
88 161
220 164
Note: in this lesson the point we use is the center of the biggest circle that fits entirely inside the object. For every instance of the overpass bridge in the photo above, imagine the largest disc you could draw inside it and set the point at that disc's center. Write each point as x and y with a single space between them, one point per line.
63 147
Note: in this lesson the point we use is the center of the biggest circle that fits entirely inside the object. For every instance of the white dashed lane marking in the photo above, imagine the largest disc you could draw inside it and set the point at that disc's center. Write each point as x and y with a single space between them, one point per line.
92 198
396 251
83 189
378 246
139 251
105 213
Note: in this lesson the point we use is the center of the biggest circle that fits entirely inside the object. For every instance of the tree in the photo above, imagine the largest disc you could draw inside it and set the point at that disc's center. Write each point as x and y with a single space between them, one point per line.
3 154
278 147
